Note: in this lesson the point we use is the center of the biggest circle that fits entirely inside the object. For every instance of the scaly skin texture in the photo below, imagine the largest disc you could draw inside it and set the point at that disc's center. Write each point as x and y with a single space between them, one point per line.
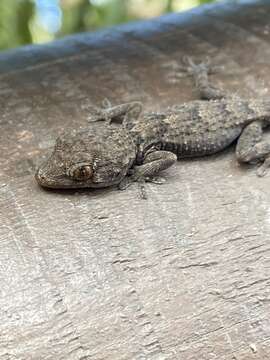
109 152
138 146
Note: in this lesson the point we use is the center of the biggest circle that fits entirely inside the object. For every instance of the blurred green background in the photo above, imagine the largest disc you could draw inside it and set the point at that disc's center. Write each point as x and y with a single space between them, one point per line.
36 21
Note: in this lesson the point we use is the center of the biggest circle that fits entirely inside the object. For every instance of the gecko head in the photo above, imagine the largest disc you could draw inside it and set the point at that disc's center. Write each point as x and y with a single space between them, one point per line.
94 158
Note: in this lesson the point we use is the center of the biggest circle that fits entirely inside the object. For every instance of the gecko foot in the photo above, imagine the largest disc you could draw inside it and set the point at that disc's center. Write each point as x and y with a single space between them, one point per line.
187 67
101 113
127 181
159 180
142 190
141 181
98 114
203 67
263 169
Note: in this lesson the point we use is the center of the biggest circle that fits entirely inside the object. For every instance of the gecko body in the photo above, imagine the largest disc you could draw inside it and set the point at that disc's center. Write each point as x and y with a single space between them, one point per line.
136 145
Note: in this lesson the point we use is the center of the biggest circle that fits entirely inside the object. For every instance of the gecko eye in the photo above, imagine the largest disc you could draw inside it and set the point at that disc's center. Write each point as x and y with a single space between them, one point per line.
81 172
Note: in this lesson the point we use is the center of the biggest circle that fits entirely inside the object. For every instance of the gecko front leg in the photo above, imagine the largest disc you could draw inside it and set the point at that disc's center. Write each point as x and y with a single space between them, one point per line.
154 162
122 114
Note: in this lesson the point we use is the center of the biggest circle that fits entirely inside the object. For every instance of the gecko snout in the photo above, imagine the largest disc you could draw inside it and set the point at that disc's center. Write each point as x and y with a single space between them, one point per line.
40 177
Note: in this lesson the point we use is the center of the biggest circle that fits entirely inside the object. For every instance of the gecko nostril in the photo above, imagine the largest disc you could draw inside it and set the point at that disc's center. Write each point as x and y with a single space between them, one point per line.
40 176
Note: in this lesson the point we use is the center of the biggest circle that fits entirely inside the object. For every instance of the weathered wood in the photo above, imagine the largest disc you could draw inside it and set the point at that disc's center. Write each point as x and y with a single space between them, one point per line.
103 274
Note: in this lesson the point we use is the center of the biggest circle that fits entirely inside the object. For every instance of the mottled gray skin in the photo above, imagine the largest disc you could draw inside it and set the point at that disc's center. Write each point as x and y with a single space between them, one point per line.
137 146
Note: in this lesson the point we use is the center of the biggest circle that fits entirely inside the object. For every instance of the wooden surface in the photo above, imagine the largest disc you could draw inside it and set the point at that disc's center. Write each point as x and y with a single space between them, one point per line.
105 275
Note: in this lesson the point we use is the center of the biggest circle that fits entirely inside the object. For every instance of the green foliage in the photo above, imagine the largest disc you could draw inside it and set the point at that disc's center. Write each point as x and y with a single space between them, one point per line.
14 22
84 16
202 2
19 22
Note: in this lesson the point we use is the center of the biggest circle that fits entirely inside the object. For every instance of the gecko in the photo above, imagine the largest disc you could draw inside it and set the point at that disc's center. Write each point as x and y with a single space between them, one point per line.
135 146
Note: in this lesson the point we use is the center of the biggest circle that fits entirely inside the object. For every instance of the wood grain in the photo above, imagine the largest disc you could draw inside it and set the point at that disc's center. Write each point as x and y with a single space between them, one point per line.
103 274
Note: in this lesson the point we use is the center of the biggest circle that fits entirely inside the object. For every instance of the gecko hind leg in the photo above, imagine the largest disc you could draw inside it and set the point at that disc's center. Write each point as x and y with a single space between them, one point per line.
251 148
200 73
